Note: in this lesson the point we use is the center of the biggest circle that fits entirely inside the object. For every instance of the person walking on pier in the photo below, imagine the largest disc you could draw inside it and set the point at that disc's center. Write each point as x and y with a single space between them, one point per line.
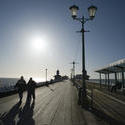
21 86
31 89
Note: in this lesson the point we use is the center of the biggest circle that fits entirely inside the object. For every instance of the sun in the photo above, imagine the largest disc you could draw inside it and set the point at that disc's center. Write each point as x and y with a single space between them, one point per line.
39 43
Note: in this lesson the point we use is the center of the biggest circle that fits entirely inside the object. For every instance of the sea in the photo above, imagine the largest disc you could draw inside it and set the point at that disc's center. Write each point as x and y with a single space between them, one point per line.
7 84
103 81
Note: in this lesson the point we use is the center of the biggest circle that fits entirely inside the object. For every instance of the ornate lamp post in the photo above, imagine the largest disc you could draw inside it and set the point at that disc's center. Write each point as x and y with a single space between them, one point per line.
83 20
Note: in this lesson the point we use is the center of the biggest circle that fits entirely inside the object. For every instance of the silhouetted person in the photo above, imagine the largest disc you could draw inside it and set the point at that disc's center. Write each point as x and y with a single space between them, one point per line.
118 85
31 89
21 86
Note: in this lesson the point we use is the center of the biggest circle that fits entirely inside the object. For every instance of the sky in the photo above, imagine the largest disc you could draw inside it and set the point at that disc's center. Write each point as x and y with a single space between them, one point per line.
40 34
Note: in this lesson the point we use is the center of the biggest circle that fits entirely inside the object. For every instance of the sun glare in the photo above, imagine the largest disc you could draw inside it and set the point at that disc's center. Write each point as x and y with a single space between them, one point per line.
38 79
39 43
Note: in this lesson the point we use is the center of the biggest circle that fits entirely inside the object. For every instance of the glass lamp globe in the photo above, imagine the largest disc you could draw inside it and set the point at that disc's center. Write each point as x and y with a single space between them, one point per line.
92 11
74 10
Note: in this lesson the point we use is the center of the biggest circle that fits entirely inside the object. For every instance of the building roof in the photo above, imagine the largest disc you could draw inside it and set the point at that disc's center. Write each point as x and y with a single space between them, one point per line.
117 66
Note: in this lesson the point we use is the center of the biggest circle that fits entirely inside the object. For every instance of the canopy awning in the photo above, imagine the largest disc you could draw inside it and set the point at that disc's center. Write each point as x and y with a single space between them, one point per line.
118 66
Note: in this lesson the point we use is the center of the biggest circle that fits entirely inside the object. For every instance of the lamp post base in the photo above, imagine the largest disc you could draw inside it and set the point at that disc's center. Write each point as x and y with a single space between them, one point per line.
84 100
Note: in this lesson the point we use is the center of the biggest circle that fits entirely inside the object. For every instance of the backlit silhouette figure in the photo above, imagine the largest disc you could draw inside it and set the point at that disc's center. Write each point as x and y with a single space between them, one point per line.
21 86
31 89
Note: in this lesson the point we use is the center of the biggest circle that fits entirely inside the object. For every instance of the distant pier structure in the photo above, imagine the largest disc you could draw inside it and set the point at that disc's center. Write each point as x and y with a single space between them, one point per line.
113 75
58 77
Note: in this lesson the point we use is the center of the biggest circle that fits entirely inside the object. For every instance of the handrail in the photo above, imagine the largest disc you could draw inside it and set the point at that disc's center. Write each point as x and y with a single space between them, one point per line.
89 93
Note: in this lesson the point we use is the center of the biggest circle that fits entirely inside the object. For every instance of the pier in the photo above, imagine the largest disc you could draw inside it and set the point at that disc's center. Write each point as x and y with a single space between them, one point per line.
54 105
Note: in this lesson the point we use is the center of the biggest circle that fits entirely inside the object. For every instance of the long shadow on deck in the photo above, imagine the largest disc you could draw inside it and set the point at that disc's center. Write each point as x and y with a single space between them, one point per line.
106 117
9 118
24 115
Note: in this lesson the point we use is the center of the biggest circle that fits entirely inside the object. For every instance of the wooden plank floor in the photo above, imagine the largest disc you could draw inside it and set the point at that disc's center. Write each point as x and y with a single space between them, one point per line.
54 105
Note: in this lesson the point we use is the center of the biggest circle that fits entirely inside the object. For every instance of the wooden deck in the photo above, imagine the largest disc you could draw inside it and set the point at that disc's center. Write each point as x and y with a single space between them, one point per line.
54 105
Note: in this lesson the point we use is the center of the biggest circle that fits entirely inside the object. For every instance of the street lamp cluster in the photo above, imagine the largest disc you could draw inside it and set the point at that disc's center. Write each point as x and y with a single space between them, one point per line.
91 10
83 20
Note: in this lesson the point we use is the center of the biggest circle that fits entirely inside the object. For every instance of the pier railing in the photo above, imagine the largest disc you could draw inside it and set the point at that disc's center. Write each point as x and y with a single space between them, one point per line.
89 92
105 105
